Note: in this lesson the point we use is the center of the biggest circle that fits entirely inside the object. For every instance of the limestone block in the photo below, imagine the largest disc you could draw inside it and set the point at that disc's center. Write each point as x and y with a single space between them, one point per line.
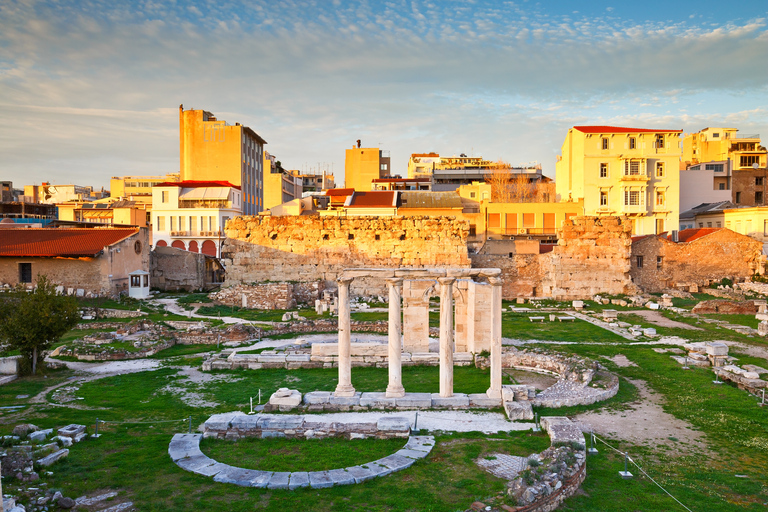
393 424
281 422
377 400
40 435
457 401
578 304
518 410
716 348
410 400
52 458
317 397
71 430
649 331
482 400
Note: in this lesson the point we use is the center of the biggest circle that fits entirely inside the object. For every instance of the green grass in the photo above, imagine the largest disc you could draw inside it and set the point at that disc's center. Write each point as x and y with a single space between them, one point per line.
370 316
183 350
256 315
518 326
690 303
291 454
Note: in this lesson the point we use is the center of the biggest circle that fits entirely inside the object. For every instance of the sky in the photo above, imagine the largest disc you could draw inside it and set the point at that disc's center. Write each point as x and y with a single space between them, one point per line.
90 89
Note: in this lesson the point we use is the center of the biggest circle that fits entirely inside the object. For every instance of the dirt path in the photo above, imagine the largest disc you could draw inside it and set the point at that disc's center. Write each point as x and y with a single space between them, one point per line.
657 318
646 423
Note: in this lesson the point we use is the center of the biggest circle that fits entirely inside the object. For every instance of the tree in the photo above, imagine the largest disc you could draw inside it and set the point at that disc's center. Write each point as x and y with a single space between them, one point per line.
33 321
499 180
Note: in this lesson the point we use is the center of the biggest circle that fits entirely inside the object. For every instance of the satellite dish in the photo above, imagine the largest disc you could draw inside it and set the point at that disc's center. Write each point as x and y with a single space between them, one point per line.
755 165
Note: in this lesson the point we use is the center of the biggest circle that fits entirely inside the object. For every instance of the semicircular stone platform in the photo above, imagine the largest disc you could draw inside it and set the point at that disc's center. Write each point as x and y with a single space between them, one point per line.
184 450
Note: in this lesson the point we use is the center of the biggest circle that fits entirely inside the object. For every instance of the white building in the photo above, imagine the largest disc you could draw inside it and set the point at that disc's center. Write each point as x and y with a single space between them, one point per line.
191 215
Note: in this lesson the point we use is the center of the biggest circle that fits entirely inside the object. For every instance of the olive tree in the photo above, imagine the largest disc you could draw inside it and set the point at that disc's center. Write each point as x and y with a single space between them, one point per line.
32 321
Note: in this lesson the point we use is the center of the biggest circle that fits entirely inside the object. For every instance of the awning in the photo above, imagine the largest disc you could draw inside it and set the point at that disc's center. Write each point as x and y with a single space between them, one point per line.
204 193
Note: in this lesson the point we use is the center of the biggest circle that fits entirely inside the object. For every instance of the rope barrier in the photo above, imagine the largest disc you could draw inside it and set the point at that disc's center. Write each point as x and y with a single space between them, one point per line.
642 471
142 422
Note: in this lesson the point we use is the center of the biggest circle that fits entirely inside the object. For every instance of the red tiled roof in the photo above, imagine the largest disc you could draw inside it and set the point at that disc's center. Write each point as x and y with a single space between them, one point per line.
689 235
48 242
373 199
197 184
619 129
339 191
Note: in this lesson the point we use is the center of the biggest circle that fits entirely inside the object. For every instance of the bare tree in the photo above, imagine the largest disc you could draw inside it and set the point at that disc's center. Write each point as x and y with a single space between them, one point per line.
522 189
499 180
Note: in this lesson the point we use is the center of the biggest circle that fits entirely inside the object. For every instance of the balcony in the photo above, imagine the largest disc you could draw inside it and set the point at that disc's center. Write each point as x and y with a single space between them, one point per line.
633 209
640 177
526 231
194 234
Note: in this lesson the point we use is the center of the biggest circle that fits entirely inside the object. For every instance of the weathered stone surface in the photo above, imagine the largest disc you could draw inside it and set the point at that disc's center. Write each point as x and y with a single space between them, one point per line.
71 430
298 479
458 400
420 400
393 423
341 477
237 476
320 479
279 480
346 400
184 445
40 435
24 429
361 474
377 400
518 410
562 430
52 458
317 397
482 400
285 397
222 421
395 462
725 307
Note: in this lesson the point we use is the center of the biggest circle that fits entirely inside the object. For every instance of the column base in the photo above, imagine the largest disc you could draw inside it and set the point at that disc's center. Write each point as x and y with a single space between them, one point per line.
344 390
446 394
395 392
493 393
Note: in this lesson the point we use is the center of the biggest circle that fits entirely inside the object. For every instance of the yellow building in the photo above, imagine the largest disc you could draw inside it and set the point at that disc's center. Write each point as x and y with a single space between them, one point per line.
752 222
213 150
623 171
724 144
363 165
137 188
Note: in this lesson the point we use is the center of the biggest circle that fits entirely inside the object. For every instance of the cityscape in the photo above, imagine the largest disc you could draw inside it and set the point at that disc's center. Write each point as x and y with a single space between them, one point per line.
416 256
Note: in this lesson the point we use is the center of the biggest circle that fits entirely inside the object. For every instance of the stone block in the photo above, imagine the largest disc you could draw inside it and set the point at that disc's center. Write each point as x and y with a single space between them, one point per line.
261 480
341 477
425 358
716 348
649 331
298 479
221 422
183 446
65 441
518 410
279 480
346 400
195 463
40 435
320 479
361 474
317 397
421 400
578 304
285 397
246 422
458 400
482 400
281 422
52 458
71 430
237 476
420 443
377 400
393 424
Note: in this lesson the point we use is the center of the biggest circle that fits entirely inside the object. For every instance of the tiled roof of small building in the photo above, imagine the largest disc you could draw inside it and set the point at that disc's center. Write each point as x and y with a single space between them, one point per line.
373 199
46 242
689 235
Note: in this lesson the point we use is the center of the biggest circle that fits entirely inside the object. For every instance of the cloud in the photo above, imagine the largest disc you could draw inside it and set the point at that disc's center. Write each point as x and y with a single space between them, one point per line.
95 89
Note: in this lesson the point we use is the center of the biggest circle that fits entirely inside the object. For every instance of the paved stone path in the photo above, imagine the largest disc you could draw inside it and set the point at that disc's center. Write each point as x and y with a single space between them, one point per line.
504 466
184 449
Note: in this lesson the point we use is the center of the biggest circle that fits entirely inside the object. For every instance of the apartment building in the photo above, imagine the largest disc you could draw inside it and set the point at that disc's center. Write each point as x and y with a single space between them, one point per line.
363 165
447 173
623 171
191 215
214 150
137 188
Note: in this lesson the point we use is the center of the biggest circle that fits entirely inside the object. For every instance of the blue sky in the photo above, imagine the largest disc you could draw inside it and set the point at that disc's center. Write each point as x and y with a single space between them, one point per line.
90 89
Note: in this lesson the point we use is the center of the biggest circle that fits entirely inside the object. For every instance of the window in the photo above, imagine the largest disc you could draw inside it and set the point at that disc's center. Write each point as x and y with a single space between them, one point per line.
639 260
472 230
631 167
604 143
529 220
765 228
659 226
171 218
603 198
714 167
709 224
135 281
25 272
718 224
750 160
659 169
660 198
738 197
659 141
722 186
494 220
701 224
659 260
715 135
472 195
632 143
603 170
631 198
161 223
758 197
759 181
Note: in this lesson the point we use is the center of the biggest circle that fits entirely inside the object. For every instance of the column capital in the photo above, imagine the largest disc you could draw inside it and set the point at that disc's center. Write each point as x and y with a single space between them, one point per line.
446 280
394 281
344 280
495 281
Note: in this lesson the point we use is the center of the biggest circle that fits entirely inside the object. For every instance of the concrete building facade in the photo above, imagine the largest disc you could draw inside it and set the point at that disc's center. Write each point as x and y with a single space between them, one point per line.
632 172
213 150
363 165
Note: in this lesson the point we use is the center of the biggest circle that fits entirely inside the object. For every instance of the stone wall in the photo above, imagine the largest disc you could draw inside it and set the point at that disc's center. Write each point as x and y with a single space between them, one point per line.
257 296
591 257
175 269
313 248
723 253
520 273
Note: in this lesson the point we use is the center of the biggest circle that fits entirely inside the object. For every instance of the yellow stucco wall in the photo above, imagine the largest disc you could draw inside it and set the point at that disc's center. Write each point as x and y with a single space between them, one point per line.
273 185
361 167
590 173
209 150
752 222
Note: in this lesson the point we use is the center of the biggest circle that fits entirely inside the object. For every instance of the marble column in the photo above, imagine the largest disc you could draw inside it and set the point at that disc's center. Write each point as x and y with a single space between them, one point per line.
395 388
446 336
344 388
495 390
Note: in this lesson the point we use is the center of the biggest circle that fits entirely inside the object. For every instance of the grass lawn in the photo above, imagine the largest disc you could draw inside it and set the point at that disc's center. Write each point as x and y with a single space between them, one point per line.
518 326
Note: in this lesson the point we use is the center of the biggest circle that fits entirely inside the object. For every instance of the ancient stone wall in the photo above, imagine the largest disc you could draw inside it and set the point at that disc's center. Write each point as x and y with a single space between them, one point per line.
667 264
313 248
591 257
257 296
520 273
175 269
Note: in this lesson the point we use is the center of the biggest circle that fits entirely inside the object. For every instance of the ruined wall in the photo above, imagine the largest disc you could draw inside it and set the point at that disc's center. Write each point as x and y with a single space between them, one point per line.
175 269
520 273
720 254
258 296
591 257
313 248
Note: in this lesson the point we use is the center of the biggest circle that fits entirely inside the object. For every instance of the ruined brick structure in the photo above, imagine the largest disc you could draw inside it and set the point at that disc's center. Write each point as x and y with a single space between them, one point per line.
659 263
313 248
